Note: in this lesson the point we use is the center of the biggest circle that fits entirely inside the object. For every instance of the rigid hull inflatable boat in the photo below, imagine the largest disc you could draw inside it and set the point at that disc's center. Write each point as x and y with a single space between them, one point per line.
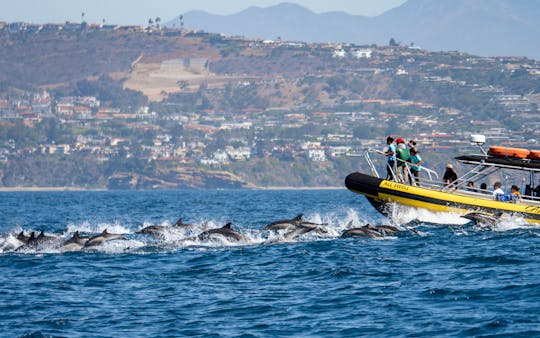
432 194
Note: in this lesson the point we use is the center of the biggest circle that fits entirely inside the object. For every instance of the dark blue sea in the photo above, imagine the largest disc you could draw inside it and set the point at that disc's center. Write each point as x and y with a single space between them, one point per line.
440 277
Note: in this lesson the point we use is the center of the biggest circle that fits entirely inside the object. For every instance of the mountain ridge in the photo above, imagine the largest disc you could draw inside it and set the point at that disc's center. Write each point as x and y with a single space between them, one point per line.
482 27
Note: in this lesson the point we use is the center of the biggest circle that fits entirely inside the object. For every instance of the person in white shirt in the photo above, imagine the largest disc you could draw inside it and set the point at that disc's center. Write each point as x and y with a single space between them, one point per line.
497 189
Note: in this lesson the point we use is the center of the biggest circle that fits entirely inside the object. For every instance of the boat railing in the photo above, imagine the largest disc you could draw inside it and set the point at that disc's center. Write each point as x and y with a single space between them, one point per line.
433 182
407 175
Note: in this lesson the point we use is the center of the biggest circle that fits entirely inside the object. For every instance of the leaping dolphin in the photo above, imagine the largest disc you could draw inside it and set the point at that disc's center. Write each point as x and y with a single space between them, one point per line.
102 238
387 229
296 227
23 238
159 230
482 218
42 238
226 231
180 224
284 224
76 242
299 231
367 231
33 241
154 230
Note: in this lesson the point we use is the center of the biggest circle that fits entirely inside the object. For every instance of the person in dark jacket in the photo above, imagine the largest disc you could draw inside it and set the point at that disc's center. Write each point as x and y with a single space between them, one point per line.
449 175
391 154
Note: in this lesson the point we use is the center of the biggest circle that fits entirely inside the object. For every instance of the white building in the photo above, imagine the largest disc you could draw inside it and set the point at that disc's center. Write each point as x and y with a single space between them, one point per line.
362 53
339 53
317 155
238 154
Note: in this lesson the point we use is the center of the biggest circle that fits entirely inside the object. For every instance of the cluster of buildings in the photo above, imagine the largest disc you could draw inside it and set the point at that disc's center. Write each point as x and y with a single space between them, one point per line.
214 138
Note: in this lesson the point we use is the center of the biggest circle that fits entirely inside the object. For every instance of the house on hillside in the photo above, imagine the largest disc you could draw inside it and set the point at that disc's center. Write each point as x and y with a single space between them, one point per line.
362 53
238 154
339 53
316 154
55 149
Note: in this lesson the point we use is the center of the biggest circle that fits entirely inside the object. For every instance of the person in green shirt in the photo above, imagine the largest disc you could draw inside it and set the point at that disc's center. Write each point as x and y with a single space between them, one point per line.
403 156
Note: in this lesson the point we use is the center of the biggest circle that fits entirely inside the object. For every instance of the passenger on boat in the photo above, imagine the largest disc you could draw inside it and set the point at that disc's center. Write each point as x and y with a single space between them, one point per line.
412 144
416 160
470 186
449 175
403 156
483 188
391 153
497 191
514 192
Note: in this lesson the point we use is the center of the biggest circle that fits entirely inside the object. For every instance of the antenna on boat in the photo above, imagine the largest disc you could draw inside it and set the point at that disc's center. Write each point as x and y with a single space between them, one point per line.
479 140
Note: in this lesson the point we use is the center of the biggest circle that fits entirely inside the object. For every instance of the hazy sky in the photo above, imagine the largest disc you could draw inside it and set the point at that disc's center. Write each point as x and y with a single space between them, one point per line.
138 11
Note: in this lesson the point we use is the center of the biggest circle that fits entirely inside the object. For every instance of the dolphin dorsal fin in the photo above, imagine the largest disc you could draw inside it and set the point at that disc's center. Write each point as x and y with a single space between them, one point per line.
298 217
21 234
228 225
104 232
76 234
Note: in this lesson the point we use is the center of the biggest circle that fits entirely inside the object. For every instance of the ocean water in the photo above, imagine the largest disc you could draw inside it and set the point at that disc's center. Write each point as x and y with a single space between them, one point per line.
441 277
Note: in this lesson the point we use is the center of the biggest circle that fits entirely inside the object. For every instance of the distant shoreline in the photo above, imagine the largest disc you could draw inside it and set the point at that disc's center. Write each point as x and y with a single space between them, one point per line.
37 189
52 189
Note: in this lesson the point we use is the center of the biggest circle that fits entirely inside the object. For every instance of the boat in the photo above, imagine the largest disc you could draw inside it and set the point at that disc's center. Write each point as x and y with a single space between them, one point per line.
432 194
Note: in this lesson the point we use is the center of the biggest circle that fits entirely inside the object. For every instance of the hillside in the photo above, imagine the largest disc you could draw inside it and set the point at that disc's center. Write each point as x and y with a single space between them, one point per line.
481 27
143 108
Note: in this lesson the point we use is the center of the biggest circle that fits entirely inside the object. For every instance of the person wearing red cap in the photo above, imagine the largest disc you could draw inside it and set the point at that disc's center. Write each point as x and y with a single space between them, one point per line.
403 156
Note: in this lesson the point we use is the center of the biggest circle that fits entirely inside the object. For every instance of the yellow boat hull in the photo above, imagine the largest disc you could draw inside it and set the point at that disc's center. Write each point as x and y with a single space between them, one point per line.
381 192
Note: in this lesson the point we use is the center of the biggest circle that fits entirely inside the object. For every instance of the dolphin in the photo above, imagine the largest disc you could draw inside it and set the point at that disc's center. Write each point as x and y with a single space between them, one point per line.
180 224
76 242
387 229
299 231
482 218
32 239
22 238
153 230
102 238
42 238
296 227
284 224
158 230
29 241
226 231
367 231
